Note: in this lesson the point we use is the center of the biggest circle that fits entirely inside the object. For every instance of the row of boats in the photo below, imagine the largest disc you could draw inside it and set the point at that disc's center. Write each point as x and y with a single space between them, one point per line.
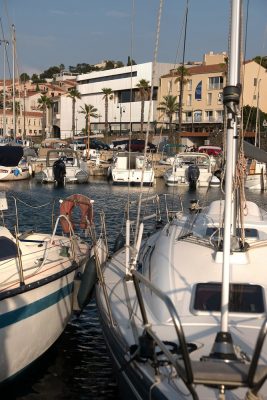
182 302
62 166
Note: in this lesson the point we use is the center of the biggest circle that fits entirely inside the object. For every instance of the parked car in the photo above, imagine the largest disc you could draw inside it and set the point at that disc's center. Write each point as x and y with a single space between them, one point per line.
78 144
139 145
98 145
119 144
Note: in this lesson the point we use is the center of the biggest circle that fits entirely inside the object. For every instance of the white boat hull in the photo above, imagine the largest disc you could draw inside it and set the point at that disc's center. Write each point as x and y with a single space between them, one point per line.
31 322
14 173
189 263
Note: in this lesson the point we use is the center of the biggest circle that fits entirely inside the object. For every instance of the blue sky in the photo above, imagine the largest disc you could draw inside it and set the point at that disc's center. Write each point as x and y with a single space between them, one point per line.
69 32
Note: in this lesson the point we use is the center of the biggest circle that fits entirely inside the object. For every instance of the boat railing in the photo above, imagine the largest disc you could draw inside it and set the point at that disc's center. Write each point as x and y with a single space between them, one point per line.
185 373
208 371
173 213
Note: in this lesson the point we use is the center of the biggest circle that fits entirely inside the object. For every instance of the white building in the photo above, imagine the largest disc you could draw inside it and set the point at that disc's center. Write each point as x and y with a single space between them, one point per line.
121 110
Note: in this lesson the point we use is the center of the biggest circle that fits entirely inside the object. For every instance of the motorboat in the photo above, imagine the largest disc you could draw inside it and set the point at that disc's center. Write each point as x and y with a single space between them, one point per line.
13 166
183 303
41 280
189 168
131 168
63 166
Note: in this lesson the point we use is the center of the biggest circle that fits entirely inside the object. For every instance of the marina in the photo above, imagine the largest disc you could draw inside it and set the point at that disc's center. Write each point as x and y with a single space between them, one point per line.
78 365
133 207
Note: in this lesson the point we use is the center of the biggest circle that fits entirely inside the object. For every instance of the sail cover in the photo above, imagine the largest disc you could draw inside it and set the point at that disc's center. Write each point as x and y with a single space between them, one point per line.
254 152
10 156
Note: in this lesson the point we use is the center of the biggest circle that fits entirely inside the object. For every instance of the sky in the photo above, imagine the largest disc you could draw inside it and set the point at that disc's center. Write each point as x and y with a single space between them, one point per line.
50 33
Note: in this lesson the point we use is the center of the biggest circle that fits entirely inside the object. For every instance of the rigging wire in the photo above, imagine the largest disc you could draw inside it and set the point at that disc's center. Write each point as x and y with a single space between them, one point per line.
149 115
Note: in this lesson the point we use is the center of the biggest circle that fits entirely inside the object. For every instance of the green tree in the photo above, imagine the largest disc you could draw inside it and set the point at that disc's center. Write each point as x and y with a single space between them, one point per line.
249 118
130 61
107 96
169 106
24 77
182 72
35 78
261 60
89 112
74 94
50 72
44 103
144 90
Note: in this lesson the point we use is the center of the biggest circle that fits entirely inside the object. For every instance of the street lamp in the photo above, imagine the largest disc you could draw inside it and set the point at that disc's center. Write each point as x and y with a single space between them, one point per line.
122 109
6 43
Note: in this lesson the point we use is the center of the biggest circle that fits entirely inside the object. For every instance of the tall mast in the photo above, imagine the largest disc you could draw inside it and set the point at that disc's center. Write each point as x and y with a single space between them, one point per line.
13 78
231 100
5 42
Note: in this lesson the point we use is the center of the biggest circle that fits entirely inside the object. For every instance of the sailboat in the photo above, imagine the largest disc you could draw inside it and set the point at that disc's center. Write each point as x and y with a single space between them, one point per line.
183 309
43 279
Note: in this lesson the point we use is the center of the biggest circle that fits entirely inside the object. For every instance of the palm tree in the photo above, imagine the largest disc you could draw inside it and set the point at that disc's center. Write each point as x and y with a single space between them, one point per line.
107 96
89 112
44 103
169 106
74 94
182 74
144 91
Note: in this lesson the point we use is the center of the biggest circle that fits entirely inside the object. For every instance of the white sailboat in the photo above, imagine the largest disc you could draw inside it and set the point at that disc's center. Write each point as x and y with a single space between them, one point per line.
40 283
184 310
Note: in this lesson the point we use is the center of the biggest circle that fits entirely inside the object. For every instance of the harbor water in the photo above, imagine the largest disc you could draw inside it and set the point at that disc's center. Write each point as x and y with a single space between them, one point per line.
78 367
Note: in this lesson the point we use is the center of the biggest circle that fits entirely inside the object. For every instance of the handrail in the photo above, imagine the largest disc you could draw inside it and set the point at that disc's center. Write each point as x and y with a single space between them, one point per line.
187 374
188 378
256 355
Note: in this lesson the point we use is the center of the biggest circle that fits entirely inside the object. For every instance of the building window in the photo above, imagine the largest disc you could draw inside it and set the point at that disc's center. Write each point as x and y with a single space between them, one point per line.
209 98
169 86
215 83
197 116
108 78
255 81
219 116
189 100
209 116
189 84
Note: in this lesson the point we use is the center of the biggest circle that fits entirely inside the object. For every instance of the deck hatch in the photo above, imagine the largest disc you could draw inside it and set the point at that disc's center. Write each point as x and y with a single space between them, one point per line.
244 298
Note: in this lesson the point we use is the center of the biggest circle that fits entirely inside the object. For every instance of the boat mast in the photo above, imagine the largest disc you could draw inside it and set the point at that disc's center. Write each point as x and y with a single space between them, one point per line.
13 78
5 43
231 98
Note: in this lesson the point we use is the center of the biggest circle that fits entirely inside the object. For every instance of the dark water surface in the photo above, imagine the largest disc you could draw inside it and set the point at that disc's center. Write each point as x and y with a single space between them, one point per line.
78 366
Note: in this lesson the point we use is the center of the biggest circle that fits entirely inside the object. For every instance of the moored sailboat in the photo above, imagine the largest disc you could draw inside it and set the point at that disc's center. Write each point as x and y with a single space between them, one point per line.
43 279
184 311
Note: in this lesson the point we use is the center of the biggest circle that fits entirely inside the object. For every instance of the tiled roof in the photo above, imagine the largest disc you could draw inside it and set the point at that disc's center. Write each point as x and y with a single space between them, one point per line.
200 69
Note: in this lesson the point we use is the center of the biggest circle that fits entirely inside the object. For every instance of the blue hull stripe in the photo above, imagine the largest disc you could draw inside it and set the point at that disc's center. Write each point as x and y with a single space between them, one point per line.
29 310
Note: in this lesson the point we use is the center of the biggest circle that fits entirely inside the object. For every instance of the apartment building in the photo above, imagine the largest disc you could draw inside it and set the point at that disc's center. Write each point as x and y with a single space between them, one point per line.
202 103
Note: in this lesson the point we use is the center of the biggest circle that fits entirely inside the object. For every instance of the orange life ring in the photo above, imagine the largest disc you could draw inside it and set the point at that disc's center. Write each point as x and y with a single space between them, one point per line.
67 206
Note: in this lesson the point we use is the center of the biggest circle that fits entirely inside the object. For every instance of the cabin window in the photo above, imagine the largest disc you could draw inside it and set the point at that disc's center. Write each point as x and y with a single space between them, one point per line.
250 233
244 298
